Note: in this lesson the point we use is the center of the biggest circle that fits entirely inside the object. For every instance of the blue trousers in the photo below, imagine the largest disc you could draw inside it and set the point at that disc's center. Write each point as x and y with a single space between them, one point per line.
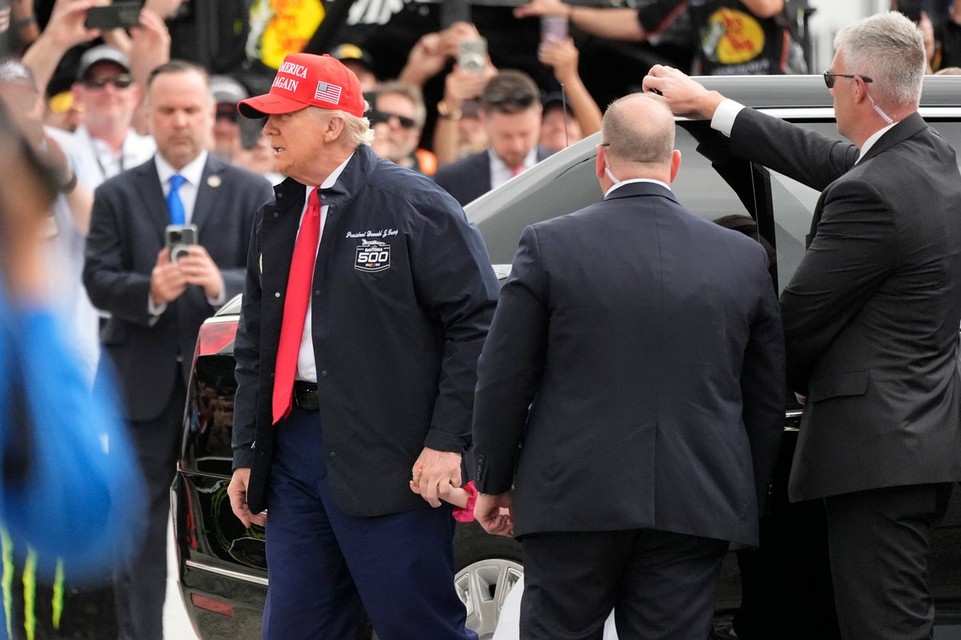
324 565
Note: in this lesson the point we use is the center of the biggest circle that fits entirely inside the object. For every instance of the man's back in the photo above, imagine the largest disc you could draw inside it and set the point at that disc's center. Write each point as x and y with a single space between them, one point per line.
638 420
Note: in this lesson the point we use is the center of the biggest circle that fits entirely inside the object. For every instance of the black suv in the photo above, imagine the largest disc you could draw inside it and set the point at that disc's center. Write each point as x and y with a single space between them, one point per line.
223 572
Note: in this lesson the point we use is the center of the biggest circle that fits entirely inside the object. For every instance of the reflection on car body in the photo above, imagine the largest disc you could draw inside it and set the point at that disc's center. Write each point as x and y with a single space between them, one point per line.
222 564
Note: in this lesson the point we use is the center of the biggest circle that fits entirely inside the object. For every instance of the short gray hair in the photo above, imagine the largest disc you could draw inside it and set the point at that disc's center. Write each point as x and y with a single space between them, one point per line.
889 49
357 129
632 140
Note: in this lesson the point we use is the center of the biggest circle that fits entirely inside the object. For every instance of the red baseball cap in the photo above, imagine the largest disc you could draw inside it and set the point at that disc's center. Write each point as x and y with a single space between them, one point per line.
308 80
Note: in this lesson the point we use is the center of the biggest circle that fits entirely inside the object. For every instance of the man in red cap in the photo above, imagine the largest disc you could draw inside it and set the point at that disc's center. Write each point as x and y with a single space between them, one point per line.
367 301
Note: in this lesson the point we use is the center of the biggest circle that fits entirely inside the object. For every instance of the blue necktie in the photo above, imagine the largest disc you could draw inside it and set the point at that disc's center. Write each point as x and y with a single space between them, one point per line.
174 204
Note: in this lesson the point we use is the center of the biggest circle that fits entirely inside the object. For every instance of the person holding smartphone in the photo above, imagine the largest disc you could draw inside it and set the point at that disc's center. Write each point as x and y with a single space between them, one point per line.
734 37
157 304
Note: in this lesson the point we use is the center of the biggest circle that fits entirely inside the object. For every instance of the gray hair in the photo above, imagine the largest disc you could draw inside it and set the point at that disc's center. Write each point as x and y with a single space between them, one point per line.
357 129
631 139
889 49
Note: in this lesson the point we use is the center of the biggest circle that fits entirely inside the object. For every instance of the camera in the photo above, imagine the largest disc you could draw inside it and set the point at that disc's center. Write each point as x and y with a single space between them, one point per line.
472 55
178 238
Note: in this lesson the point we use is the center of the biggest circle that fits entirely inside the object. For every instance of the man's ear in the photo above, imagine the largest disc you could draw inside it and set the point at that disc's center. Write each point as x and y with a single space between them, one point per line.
675 163
600 162
335 127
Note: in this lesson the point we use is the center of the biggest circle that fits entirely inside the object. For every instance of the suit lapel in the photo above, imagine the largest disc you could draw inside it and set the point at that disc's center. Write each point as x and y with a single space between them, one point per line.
910 126
207 191
147 185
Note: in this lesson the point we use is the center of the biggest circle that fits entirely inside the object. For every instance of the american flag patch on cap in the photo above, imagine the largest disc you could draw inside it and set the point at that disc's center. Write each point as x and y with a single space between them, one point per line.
327 92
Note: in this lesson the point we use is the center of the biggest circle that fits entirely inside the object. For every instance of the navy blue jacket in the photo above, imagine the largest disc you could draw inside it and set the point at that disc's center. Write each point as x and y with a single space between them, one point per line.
403 298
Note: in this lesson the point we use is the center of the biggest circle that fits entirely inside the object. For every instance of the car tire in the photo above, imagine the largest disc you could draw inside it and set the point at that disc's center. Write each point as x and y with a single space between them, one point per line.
487 567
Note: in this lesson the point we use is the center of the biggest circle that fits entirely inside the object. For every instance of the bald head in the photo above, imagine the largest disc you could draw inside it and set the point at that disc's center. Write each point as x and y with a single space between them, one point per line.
638 128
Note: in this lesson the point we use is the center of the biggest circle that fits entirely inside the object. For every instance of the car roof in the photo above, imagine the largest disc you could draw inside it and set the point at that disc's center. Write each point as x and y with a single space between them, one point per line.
774 92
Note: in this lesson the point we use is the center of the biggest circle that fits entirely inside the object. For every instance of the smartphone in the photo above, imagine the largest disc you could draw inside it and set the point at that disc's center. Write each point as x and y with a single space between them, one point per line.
553 29
178 237
472 55
119 15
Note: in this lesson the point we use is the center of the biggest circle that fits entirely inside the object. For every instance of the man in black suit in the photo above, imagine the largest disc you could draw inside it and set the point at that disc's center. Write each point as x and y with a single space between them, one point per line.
634 375
871 318
157 304
511 107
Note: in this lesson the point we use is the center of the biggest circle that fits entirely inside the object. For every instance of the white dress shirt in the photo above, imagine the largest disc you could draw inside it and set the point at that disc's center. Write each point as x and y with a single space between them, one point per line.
306 365
501 173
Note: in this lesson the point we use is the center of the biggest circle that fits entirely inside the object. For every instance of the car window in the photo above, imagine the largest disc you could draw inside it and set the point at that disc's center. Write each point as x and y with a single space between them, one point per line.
567 182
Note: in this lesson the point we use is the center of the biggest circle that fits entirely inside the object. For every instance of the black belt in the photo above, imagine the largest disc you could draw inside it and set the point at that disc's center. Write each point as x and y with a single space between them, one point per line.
305 396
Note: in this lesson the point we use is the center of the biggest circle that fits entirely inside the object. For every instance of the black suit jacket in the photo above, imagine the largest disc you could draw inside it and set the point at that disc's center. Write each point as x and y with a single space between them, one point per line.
126 234
871 315
646 343
396 346
469 178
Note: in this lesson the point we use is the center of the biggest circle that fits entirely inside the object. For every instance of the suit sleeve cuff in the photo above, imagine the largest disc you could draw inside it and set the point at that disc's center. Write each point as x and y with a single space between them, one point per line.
441 441
243 459
725 115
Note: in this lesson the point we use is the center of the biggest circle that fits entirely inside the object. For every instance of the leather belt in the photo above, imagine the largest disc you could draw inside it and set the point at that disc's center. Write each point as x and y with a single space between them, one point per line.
305 396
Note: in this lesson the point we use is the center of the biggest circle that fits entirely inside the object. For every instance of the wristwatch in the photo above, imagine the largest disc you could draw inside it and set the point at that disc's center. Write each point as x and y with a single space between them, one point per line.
446 112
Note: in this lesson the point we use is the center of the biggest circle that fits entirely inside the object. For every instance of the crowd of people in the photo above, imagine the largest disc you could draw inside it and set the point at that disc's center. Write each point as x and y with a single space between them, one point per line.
380 367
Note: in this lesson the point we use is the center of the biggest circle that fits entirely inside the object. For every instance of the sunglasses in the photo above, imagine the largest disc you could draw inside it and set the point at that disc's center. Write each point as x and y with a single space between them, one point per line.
829 77
121 81
228 113
377 117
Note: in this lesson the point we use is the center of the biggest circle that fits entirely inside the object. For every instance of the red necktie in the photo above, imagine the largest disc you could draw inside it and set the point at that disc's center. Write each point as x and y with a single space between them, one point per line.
295 307
515 171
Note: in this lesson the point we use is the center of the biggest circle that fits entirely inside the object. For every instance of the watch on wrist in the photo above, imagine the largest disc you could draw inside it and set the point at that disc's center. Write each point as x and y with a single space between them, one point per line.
446 112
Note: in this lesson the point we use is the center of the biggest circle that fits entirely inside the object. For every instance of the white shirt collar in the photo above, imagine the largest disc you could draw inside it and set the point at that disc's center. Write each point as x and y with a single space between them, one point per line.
192 172
873 139
633 180
501 173
329 181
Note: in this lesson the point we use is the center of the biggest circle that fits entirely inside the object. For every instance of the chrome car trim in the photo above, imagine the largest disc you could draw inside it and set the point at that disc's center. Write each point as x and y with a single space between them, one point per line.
226 573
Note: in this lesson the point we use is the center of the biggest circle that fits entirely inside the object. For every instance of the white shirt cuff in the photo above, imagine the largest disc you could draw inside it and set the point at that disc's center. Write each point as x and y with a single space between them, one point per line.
155 309
725 115
221 297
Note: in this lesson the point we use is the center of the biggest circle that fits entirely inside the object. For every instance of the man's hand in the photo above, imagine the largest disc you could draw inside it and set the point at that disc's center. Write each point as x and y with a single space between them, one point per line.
542 8
461 85
237 492
684 96
199 268
150 45
425 60
66 25
562 55
433 470
166 280
496 513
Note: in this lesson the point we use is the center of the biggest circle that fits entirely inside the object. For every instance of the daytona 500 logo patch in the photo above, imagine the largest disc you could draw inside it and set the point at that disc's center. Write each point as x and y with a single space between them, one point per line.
372 256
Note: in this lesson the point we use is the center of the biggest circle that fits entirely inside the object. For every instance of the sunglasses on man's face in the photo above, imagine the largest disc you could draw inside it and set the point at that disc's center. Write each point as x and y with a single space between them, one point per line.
121 81
383 116
829 78
227 112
